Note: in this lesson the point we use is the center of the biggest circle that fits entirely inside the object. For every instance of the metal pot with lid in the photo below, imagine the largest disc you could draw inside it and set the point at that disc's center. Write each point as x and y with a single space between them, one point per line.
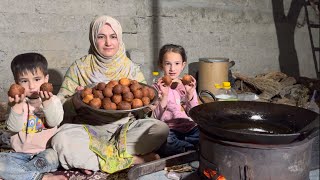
212 71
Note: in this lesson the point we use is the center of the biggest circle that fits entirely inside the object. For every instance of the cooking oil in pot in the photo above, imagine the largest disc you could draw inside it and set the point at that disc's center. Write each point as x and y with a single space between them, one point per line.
262 128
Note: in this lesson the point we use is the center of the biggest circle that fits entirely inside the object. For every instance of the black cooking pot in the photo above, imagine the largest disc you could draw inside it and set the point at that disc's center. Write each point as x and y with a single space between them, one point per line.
255 122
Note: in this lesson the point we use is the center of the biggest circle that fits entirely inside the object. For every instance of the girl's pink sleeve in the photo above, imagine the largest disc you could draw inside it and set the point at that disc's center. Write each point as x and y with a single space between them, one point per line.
158 112
194 101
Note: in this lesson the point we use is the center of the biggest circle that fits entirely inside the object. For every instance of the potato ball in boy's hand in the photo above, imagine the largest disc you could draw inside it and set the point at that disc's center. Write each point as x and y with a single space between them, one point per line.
15 89
186 79
46 87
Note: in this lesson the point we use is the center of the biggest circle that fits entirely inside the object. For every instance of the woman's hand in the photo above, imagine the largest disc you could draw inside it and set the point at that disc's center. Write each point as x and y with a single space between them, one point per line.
191 88
79 88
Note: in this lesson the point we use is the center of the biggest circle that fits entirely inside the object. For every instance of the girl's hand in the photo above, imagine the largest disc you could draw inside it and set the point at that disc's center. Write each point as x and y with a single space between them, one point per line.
191 88
163 93
164 89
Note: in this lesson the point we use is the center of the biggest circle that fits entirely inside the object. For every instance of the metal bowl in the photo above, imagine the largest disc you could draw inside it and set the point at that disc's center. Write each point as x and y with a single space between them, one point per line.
78 103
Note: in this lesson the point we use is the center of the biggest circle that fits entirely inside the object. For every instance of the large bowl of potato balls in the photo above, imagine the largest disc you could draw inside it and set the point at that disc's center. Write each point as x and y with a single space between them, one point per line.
117 96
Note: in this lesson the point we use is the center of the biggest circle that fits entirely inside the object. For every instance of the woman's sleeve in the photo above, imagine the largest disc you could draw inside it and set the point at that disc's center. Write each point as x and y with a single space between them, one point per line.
69 84
137 74
158 112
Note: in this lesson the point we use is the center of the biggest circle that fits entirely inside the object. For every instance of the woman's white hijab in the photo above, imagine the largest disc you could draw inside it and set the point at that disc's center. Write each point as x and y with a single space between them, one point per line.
95 26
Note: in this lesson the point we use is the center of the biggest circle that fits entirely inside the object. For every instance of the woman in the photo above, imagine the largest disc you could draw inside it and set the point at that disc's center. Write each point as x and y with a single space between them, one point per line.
121 142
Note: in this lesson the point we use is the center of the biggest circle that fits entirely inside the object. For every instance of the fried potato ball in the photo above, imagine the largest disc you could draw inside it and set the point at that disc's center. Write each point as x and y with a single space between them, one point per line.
124 105
15 89
186 79
86 91
167 80
124 81
110 106
95 103
145 101
136 103
117 98
87 98
112 83
100 86
46 87
128 96
97 94
117 89
107 92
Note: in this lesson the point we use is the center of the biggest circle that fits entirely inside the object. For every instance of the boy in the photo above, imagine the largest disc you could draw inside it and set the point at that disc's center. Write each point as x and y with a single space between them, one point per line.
33 120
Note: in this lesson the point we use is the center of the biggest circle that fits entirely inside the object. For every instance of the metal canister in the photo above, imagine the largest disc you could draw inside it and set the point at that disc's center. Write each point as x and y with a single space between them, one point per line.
212 71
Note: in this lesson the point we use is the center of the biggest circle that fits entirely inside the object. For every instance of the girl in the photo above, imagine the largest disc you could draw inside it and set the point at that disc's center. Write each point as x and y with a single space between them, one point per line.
175 102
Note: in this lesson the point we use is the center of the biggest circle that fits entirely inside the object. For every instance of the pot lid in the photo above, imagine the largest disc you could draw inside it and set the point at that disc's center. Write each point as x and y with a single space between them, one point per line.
214 59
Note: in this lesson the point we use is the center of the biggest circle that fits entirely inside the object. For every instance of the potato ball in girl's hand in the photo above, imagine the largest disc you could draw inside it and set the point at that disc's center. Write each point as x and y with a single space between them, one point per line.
186 79
167 80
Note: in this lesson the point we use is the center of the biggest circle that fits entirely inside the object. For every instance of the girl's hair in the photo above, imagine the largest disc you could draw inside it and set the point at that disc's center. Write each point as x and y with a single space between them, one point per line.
171 48
28 62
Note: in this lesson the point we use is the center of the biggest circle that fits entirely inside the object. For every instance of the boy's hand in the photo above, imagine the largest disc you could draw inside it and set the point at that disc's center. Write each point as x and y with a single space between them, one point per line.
16 100
191 88
17 103
45 95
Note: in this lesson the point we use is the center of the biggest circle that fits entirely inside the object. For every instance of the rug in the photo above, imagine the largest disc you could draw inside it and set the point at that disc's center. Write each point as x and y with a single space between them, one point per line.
77 175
